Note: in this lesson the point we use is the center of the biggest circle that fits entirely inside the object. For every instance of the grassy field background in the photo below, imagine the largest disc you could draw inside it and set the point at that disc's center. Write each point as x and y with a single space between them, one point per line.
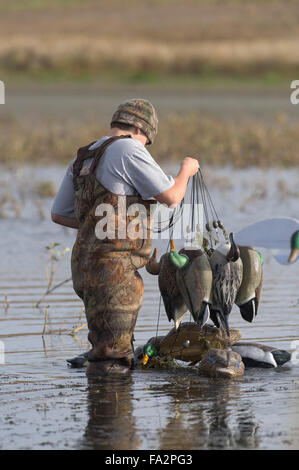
156 43
147 40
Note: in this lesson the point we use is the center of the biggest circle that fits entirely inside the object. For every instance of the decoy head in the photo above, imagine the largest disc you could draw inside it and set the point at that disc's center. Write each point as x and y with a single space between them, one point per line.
294 242
234 252
178 260
153 265
148 351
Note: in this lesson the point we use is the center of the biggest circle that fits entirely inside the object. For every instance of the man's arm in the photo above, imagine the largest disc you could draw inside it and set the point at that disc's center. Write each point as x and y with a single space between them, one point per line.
63 211
173 196
66 221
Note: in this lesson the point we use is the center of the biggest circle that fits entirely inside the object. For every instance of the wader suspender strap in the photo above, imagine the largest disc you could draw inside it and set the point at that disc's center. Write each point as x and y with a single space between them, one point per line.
84 153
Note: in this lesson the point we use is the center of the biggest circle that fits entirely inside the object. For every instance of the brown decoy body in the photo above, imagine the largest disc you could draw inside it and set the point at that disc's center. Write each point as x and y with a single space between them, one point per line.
174 304
222 363
194 280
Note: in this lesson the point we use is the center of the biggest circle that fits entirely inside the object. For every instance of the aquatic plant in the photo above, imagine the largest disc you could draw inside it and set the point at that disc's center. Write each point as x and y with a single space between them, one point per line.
54 258
46 320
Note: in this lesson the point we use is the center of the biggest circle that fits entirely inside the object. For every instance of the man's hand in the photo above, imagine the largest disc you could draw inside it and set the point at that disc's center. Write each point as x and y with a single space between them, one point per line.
173 196
190 165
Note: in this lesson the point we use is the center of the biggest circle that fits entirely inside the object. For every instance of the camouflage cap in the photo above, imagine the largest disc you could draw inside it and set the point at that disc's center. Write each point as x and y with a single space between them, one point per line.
138 113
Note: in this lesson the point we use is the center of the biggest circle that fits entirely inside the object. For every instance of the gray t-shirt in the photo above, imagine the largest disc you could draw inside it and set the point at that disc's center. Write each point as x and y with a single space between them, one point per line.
126 168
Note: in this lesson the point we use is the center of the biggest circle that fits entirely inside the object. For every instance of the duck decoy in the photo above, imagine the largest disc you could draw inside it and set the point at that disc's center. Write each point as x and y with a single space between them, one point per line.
222 363
194 279
249 293
174 304
227 268
260 355
148 351
279 235
191 342
79 361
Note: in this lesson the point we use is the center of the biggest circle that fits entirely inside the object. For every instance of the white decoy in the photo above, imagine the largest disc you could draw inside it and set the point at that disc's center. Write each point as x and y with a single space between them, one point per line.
279 235
260 355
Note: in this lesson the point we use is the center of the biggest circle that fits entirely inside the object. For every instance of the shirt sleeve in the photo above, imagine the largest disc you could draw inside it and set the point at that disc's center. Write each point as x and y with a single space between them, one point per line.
145 175
64 202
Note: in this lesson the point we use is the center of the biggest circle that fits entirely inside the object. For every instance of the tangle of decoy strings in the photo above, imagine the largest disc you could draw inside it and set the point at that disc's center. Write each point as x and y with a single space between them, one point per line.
170 223
214 222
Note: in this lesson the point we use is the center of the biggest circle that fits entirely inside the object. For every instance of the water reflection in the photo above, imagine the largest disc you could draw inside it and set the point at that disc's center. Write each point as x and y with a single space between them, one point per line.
196 413
111 424
203 413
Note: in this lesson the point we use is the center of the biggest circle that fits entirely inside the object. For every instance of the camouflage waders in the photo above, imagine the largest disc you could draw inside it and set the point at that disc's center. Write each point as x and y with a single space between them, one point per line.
104 270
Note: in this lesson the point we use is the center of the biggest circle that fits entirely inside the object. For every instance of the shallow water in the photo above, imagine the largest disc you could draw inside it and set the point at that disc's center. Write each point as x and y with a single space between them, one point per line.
46 405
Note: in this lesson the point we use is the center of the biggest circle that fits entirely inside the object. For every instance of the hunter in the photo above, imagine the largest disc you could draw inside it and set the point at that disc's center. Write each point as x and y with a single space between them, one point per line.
115 172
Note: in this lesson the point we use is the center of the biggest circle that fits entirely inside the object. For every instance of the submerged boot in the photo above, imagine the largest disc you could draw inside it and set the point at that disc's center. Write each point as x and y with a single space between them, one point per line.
108 367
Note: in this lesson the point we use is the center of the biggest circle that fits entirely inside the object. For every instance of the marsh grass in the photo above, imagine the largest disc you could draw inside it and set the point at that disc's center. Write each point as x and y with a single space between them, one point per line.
215 142
84 58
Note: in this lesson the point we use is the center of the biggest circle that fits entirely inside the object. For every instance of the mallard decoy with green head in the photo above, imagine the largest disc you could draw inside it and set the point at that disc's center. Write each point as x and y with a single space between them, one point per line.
227 271
249 293
148 351
174 304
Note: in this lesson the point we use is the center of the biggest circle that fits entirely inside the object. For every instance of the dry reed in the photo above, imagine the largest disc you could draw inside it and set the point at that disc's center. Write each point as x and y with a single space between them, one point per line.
213 141
172 37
